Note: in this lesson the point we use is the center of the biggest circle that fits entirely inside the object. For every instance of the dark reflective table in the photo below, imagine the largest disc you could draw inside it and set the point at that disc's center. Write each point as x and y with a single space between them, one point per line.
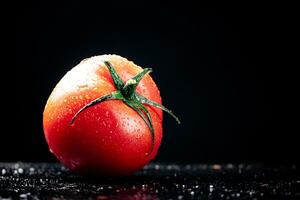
155 181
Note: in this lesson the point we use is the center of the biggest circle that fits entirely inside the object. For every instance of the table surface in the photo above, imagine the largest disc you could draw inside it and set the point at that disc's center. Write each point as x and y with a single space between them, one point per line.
155 181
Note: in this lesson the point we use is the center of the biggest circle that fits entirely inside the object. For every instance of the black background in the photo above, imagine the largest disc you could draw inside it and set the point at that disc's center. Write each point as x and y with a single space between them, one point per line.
224 69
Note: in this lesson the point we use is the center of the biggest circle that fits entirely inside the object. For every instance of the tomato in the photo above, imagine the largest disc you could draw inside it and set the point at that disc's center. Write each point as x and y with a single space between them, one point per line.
104 117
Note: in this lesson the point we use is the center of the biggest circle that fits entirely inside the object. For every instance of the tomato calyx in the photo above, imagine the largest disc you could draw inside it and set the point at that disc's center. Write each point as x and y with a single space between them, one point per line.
126 92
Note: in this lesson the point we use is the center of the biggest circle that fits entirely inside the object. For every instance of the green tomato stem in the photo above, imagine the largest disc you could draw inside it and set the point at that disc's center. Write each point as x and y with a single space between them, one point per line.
127 93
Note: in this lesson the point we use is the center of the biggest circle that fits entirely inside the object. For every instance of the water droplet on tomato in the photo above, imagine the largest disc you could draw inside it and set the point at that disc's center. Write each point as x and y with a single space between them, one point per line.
106 113
83 86
74 163
137 136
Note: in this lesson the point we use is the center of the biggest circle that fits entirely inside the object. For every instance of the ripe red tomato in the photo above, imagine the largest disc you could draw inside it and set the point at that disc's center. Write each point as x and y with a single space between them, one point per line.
110 137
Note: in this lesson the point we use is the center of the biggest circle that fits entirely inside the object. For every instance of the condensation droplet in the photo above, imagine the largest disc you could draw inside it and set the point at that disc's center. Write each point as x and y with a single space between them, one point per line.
20 171
24 196
211 188
74 163
82 86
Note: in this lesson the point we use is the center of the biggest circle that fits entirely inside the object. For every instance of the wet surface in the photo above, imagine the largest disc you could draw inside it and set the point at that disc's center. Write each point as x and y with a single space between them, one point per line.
156 181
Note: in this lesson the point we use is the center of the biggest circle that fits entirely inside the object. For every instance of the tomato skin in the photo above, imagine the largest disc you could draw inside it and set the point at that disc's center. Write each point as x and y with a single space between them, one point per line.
110 138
